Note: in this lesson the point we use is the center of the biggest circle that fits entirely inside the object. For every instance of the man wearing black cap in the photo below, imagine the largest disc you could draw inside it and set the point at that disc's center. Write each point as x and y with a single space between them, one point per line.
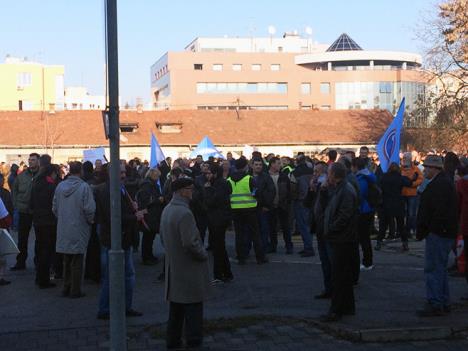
186 265
244 210
437 223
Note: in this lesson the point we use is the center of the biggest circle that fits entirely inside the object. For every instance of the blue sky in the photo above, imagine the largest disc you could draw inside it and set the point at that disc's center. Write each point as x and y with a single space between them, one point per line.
72 32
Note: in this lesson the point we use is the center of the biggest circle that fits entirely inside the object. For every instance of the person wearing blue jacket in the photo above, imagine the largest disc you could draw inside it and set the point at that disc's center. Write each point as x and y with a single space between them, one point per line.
366 212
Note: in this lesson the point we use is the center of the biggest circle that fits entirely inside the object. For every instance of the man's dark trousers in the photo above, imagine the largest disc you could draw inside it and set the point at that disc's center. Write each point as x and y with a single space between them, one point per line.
192 315
342 278
246 228
45 245
24 227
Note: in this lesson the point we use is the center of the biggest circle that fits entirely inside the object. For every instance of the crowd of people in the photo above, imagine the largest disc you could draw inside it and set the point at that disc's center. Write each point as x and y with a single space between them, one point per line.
342 199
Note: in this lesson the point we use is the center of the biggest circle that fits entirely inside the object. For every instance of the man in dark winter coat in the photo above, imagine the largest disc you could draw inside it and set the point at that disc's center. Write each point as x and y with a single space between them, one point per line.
340 205
437 223
279 212
45 223
265 196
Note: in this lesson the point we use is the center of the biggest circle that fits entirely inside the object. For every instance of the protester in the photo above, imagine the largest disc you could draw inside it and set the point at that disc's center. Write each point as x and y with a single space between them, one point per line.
265 195
410 195
462 194
300 179
339 203
244 212
129 218
332 156
5 223
149 197
280 211
186 268
5 195
74 207
437 224
21 194
393 205
45 223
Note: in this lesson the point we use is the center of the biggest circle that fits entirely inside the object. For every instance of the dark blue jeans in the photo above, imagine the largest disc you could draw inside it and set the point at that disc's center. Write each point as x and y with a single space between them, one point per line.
435 269
129 280
412 203
279 218
325 254
264 225
301 213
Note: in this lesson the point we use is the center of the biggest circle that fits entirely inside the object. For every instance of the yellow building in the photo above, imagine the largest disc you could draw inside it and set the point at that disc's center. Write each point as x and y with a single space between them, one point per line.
30 86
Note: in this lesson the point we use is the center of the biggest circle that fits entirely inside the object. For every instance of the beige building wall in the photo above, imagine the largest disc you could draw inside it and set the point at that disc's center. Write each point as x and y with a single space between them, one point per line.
37 86
181 78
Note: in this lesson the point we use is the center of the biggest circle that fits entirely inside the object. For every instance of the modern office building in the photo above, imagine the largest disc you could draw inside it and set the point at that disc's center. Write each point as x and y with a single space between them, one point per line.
30 86
285 74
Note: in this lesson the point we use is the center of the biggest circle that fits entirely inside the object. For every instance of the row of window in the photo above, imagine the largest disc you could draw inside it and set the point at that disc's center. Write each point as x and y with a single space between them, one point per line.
23 79
267 107
246 88
218 67
255 87
161 72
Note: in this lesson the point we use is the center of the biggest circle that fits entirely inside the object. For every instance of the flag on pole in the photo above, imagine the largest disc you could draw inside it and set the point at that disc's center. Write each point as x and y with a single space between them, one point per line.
388 147
157 155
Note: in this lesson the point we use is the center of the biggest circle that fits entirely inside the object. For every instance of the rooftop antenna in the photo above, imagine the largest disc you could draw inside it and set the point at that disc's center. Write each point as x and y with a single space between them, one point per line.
271 31
308 31
251 33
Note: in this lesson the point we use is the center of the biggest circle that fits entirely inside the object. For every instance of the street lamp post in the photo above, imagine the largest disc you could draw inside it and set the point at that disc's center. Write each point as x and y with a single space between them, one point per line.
118 334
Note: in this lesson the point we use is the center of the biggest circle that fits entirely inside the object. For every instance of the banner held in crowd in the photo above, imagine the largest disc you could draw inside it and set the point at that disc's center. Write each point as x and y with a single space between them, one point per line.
92 155
206 149
388 147
157 156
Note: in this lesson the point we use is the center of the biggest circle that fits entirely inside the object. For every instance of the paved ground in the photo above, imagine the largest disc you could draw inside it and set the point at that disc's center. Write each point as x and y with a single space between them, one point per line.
271 307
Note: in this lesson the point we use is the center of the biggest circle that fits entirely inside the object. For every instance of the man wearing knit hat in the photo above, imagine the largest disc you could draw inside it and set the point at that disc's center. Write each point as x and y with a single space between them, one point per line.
437 224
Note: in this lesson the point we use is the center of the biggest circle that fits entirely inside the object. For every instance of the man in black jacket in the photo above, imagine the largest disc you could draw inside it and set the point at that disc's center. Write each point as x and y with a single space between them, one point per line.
280 210
265 196
437 223
340 204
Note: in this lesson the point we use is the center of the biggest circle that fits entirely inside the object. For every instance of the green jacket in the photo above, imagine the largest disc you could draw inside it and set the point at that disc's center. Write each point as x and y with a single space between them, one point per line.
21 191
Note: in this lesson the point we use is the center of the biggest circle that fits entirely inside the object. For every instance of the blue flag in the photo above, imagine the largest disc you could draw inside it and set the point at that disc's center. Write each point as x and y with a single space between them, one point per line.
388 147
157 155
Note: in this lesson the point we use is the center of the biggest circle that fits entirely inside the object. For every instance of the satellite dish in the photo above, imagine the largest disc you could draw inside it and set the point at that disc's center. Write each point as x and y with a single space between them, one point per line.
271 30
308 30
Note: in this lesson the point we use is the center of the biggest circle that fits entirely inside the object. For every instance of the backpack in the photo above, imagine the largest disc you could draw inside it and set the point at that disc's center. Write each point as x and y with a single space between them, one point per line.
374 195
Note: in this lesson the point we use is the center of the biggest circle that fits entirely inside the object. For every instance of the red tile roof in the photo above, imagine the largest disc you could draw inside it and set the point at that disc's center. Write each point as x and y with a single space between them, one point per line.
295 127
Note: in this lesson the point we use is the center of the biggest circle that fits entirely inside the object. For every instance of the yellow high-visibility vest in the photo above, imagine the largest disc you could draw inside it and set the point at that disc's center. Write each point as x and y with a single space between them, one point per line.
241 197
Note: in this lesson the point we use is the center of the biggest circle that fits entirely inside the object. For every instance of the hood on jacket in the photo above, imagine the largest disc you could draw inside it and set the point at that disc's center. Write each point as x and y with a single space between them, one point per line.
70 185
238 175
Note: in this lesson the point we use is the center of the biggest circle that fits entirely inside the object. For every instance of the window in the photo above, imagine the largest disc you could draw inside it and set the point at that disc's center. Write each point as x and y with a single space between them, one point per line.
23 79
256 67
249 88
305 88
201 88
280 49
275 67
306 107
325 88
325 107
198 67
217 67
169 128
385 87
237 67
128 127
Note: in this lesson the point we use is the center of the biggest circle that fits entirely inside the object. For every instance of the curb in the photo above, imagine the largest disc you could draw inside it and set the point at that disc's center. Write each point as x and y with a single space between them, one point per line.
392 334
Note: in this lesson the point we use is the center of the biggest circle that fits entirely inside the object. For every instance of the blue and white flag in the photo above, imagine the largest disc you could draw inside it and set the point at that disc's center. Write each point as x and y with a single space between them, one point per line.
388 147
157 155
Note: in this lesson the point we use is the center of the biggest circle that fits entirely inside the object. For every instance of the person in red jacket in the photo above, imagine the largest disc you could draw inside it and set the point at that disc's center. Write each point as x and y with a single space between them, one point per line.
462 195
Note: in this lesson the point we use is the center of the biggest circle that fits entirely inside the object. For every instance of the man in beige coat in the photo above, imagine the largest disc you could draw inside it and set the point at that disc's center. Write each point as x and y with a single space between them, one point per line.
187 277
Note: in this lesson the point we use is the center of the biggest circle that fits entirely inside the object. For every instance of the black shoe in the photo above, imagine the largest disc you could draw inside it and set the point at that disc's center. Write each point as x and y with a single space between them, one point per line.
47 286
324 295
241 262
289 251
271 250
301 252
65 293
77 296
330 317
17 268
430 311
103 316
4 282
133 313
262 261
228 279
308 254
150 262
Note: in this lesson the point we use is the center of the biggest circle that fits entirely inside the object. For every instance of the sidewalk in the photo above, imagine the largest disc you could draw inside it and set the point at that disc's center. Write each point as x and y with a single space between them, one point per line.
282 291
